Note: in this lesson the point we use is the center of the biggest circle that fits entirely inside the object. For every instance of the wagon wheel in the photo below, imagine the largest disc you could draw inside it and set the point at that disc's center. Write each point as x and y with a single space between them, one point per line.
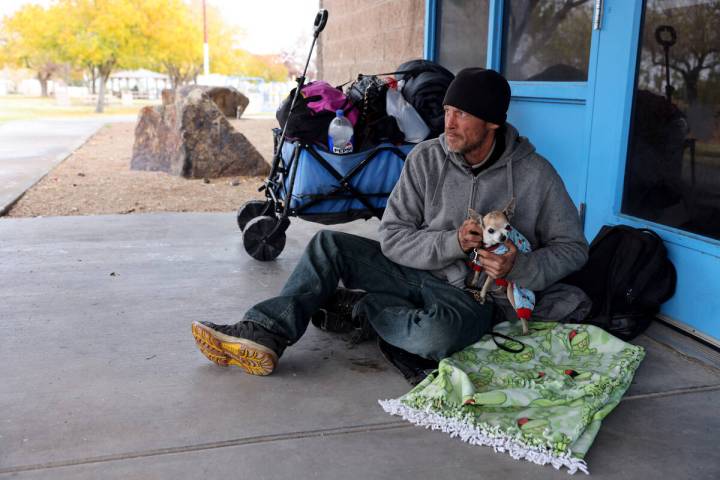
259 241
253 209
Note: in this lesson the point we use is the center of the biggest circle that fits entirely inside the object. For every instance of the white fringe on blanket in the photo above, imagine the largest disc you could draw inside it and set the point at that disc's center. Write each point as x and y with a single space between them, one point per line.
481 436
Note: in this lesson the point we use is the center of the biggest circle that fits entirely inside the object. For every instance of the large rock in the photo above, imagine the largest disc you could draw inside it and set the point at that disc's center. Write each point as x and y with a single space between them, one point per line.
189 136
230 101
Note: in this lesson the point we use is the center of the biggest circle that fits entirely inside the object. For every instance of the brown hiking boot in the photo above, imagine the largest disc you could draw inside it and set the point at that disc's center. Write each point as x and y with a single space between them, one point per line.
245 344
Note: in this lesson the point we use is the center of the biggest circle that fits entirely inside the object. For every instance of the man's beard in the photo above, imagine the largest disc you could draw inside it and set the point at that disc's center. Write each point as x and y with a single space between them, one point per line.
471 147
462 150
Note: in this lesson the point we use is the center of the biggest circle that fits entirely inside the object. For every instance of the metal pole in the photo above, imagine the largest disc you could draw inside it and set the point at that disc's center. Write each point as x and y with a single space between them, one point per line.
206 49
320 22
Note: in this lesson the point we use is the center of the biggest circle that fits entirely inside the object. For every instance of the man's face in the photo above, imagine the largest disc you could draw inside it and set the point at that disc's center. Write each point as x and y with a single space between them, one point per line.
465 132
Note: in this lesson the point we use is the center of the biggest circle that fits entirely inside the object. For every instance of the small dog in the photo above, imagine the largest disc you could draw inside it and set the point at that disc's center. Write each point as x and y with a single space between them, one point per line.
496 229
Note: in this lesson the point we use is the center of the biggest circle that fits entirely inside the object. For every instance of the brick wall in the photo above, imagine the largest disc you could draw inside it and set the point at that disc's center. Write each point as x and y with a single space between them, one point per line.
369 36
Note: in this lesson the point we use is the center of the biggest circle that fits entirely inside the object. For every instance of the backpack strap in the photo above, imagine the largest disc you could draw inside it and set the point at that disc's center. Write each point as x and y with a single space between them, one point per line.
509 181
644 275
605 233
361 75
414 72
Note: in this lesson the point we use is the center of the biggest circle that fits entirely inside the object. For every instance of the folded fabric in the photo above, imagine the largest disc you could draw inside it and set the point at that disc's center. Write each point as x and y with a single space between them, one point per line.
544 404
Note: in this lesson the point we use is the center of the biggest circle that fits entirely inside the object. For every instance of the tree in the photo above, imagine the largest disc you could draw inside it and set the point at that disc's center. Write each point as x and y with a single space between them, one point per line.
177 46
103 35
697 51
31 41
100 36
4 53
177 42
268 67
226 55
547 32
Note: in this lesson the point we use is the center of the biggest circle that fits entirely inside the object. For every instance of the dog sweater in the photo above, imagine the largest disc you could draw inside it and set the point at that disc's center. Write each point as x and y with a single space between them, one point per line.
524 298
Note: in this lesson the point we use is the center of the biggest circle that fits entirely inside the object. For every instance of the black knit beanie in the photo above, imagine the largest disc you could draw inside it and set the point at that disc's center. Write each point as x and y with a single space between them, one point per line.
480 92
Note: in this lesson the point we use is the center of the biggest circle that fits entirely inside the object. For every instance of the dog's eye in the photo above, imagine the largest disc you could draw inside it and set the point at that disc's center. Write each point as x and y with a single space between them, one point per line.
491 230
507 227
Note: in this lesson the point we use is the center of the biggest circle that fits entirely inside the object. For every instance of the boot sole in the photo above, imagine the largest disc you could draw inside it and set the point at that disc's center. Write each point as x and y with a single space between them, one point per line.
226 351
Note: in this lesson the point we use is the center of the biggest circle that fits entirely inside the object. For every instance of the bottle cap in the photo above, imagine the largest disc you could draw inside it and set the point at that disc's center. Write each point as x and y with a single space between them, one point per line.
340 113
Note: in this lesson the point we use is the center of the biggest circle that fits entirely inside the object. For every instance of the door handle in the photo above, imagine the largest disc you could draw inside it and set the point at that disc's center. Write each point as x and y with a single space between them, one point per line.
598 14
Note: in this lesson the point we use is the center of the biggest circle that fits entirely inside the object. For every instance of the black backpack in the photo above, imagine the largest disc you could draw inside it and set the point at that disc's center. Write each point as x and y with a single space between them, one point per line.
425 85
304 123
627 277
374 125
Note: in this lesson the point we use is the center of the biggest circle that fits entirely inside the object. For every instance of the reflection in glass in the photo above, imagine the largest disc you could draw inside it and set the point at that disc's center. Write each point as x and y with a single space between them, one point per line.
547 40
672 174
462 33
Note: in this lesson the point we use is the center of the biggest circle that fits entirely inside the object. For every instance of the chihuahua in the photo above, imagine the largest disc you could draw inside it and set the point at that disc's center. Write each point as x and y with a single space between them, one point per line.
496 229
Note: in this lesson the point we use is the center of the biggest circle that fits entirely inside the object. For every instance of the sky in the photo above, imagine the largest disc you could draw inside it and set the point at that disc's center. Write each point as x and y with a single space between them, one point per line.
270 26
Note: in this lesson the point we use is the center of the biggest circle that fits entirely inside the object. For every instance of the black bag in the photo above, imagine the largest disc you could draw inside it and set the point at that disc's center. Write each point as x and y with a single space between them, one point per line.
627 277
374 125
425 86
306 124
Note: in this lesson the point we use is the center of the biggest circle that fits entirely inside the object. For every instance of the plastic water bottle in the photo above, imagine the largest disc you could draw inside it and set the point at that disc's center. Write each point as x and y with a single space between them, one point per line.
340 134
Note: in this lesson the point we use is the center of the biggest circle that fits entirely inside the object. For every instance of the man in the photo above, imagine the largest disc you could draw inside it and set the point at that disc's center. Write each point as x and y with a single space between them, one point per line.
413 280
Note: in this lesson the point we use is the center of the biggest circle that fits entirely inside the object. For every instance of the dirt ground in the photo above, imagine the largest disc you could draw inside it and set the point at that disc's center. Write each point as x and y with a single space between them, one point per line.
96 179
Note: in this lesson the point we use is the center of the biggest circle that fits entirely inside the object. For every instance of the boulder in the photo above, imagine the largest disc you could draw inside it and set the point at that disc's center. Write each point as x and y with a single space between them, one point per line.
189 136
230 101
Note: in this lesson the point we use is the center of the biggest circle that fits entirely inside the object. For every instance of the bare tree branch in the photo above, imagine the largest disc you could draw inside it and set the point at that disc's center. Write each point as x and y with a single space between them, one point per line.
549 30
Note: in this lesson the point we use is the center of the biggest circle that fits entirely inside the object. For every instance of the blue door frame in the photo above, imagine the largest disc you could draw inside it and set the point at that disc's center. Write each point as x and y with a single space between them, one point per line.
594 167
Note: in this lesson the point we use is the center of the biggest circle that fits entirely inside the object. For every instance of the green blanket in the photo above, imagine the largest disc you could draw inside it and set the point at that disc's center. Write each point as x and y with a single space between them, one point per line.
544 404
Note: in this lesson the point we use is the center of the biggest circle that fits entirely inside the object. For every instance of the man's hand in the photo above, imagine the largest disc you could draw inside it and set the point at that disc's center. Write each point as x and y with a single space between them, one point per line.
470 235
497 266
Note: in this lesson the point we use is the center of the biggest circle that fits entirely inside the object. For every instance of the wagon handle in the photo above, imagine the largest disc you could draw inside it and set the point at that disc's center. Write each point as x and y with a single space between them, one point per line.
320 20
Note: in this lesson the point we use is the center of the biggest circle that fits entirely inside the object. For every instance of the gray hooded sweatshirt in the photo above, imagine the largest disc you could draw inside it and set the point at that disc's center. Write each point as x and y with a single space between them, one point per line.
431 199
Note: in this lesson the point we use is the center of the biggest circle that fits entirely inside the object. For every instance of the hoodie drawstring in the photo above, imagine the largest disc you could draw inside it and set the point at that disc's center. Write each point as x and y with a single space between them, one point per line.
510 186
441 180
443 173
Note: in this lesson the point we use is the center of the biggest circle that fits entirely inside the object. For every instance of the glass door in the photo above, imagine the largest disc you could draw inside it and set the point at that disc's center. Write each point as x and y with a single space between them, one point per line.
546 50
623 98
672 174
654 157
546 41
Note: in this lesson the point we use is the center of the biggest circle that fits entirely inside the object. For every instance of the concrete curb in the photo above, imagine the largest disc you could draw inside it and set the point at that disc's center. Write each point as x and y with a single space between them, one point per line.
4 209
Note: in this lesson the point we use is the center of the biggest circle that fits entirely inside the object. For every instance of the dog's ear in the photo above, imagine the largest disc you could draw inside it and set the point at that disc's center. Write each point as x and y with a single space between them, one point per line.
475 216
509 210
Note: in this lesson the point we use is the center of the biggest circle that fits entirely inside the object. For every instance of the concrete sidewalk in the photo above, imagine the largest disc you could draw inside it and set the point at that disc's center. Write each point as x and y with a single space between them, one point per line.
101 377
29 149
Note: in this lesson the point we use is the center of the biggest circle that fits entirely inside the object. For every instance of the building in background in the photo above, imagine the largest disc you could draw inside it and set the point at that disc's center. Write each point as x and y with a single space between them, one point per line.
367 36
143 84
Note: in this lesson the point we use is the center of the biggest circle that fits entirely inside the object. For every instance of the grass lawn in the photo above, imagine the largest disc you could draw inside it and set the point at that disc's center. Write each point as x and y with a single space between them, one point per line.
17 107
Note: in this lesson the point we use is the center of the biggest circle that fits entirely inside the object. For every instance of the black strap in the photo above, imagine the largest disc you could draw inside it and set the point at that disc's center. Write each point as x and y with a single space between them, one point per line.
645 274
414 71
604 232
503 346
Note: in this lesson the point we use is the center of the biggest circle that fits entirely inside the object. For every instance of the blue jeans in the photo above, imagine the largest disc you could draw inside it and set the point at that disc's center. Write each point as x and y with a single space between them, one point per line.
408 308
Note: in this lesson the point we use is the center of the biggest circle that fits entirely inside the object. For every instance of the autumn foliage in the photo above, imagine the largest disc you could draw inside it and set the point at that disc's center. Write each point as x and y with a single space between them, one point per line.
102 36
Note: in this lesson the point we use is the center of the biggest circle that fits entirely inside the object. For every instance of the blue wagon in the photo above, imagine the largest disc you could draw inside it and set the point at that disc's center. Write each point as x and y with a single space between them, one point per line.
315 185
